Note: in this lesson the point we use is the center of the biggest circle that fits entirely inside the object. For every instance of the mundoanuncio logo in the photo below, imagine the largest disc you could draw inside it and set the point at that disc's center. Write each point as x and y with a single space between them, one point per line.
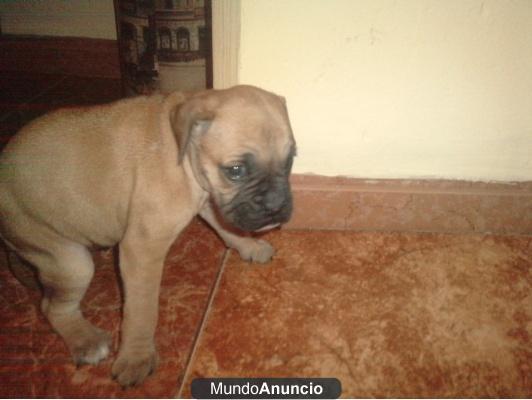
266 388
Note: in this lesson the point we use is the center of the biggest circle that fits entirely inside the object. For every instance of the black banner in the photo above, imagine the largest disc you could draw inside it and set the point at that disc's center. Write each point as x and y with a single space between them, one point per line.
266 388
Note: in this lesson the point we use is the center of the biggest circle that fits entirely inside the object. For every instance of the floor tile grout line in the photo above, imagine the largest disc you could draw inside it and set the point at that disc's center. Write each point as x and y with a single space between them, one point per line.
48 89
59 81
203 322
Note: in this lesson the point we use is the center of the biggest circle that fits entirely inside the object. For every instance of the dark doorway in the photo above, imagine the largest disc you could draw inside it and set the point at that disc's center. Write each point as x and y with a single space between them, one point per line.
165 45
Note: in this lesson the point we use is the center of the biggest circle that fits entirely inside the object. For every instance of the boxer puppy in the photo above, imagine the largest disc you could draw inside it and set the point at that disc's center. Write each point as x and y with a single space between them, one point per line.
135 172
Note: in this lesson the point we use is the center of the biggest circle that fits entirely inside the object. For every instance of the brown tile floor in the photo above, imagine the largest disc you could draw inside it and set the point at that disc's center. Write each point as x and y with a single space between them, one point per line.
390 315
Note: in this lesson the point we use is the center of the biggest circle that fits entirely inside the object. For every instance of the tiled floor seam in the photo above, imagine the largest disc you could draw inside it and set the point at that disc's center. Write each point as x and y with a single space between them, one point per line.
47 89
203 322
31 99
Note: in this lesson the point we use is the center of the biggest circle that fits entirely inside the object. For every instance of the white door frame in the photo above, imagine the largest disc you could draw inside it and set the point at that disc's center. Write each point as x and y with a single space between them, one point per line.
225 42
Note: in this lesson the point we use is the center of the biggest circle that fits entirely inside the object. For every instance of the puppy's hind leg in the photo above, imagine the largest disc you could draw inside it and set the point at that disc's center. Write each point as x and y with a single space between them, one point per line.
250 249
65 273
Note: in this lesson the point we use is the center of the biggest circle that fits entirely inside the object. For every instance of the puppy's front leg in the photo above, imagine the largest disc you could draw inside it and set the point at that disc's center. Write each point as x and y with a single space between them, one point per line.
250 249
142 255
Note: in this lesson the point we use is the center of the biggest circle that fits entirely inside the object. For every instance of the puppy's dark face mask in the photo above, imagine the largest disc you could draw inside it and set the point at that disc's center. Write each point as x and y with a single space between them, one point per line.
262 193
241 148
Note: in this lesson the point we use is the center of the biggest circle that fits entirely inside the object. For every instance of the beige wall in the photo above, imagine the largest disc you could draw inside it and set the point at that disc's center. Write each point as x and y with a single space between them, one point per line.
376 88
77 18
399 89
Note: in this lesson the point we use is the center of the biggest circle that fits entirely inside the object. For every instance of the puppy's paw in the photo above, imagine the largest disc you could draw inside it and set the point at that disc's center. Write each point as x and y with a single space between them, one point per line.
256 250
130 369
91 346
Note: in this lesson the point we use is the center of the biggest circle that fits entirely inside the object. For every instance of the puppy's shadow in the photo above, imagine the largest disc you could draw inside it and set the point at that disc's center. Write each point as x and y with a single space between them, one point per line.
21 269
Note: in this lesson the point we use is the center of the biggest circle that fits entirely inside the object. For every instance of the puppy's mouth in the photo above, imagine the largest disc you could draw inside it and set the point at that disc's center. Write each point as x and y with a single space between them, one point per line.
249 223
260 203
252 217
268 227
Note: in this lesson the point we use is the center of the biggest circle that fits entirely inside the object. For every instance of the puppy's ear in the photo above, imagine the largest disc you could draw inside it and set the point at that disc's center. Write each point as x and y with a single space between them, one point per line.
189 120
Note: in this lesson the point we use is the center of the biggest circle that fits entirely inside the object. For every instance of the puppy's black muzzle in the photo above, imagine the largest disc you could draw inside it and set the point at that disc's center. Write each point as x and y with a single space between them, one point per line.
260 205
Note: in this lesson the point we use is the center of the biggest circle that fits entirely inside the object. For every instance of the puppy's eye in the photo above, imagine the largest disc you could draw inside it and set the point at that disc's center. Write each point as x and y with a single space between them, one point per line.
236 172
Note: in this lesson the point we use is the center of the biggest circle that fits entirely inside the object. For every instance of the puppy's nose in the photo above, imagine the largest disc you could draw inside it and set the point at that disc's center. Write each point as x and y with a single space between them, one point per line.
273 201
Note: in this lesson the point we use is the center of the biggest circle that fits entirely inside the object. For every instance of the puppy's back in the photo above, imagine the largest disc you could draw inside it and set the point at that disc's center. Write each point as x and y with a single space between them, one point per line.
70 168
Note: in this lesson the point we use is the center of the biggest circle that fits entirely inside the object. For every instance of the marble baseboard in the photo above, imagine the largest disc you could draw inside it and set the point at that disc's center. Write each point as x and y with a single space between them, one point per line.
440 206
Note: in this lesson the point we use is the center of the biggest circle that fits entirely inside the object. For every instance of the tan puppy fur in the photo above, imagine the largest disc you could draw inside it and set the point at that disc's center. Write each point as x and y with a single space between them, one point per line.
135 172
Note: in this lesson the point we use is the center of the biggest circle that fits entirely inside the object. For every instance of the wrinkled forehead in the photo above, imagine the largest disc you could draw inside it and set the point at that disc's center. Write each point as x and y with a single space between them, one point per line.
259 126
